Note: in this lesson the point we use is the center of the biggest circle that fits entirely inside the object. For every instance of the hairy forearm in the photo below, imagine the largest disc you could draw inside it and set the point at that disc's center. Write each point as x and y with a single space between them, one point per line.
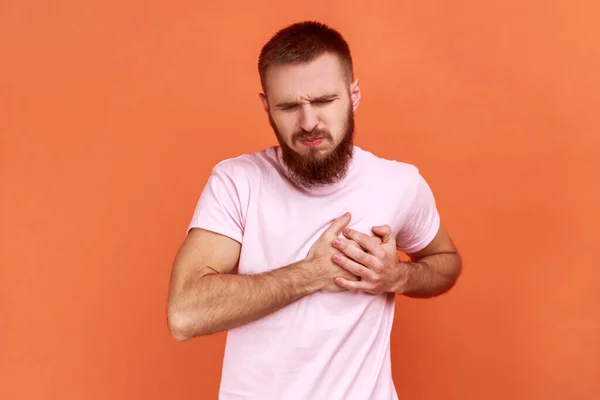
430 276
219 302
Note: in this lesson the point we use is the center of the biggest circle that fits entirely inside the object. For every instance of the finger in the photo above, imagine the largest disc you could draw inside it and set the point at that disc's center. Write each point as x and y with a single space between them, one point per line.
383 231
355 285
358 254
366 242
354 268
338 225
375 239
354 244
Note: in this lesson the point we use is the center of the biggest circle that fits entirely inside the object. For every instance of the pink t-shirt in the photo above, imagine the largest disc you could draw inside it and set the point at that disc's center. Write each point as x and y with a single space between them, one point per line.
330 346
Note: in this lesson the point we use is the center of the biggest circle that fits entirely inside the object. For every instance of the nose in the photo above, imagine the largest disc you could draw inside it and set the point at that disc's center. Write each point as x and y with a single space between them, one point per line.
308 118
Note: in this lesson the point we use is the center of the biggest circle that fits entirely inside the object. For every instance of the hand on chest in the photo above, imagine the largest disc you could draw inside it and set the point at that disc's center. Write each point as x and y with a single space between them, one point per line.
284 232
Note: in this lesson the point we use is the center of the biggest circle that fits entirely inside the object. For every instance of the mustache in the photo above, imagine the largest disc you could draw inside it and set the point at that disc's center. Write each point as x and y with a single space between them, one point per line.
310 135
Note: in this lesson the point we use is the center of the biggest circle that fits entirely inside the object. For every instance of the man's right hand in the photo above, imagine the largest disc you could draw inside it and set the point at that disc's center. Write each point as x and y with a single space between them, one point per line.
205 300
320 257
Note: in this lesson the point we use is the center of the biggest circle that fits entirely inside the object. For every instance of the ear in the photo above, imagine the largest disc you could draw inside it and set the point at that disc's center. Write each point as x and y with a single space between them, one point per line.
265 102
355 94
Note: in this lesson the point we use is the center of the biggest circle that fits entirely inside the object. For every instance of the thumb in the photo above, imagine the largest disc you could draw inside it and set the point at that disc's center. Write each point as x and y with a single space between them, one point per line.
383 231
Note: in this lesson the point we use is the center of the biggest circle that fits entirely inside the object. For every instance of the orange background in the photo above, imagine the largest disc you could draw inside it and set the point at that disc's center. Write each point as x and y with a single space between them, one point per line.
112 114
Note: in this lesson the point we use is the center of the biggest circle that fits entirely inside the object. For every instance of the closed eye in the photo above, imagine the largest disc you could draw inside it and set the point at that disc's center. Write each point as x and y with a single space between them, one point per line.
322 102
318 101
287 106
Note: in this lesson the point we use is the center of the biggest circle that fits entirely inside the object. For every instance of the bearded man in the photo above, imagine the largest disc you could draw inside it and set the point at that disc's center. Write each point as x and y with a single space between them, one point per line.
293 249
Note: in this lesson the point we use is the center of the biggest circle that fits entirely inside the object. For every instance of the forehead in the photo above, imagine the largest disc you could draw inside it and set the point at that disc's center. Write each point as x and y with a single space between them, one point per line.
324 75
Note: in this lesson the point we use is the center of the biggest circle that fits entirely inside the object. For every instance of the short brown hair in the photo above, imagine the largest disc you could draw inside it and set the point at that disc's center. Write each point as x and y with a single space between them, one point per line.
303 42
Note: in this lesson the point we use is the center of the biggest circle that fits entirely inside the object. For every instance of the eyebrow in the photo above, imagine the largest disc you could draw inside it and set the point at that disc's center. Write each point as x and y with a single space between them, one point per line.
325 97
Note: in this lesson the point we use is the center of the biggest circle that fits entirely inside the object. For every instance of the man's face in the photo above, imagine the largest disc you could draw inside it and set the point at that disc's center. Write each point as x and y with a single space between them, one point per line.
311 109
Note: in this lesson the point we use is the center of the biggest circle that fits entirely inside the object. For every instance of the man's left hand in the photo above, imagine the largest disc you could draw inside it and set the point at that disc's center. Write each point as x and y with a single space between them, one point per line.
375 261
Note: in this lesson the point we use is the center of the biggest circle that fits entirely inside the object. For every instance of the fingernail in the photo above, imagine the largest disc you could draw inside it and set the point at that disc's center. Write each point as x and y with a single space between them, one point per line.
336 242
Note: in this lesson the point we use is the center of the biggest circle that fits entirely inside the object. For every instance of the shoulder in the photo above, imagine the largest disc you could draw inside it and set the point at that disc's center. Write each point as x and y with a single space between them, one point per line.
405 174
246 168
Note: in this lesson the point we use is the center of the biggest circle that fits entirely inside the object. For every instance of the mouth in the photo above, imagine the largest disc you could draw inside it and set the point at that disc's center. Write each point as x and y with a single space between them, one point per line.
312 142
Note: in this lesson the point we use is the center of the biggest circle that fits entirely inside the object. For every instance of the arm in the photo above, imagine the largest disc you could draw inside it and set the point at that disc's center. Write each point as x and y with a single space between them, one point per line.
436 263
205 297
434 271
375 260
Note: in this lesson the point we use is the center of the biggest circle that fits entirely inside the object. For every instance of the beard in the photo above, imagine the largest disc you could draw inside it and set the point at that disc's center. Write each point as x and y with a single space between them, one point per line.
311 170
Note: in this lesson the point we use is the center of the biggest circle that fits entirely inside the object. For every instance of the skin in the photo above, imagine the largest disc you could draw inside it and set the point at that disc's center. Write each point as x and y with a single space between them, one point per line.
307 97
375 261
310 100
313 98
207 296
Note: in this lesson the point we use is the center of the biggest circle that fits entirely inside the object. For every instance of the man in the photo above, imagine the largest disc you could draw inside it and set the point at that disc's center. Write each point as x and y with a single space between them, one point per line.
305 290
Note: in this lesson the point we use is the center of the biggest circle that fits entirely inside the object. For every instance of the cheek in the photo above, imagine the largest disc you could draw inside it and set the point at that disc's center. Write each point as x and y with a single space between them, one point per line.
284 125
336 121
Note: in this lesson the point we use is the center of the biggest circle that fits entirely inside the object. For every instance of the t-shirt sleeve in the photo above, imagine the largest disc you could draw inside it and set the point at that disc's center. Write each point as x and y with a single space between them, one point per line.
219 208
421 221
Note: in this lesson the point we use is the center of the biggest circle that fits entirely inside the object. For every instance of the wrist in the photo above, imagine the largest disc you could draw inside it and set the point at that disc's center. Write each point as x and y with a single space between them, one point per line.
405 276
310 273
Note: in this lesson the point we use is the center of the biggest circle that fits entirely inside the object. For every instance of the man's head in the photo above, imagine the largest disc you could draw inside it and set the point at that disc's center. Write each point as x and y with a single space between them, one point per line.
310 97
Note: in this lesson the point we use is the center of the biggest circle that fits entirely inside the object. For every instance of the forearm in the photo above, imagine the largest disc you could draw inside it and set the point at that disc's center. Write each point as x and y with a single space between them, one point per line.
430 276
219 302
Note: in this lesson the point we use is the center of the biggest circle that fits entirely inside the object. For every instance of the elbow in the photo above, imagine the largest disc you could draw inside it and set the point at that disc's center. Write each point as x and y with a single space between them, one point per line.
181 326
450 285
453 277
458 268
